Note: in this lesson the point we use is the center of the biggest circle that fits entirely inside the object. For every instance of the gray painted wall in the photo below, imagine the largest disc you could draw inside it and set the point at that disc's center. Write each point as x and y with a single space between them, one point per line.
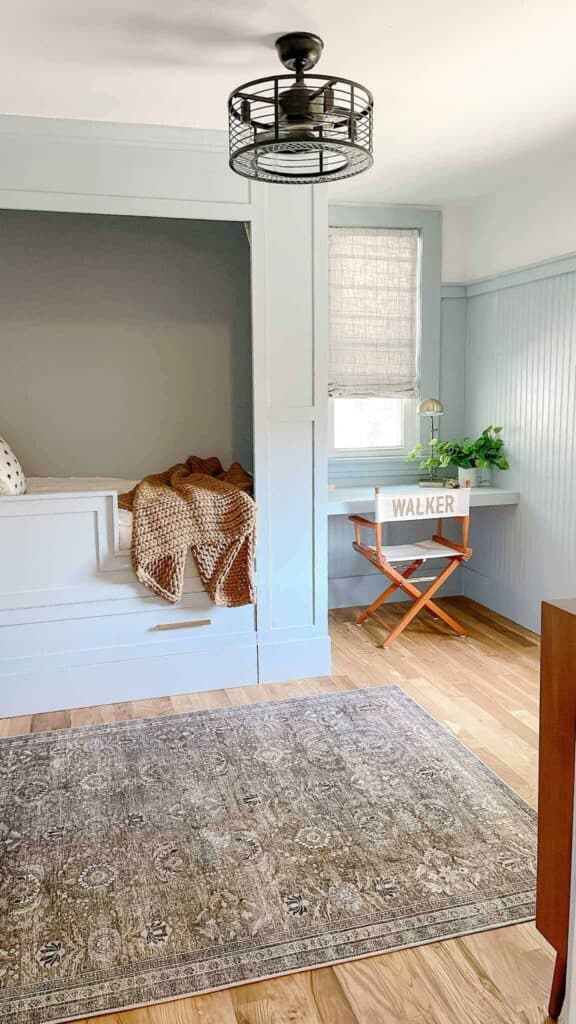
521 373
125 342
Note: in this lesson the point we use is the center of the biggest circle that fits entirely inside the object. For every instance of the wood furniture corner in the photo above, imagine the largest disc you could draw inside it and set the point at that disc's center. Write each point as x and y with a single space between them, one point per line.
556 784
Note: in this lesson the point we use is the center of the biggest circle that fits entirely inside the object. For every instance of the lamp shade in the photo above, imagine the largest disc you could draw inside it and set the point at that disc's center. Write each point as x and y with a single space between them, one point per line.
430 407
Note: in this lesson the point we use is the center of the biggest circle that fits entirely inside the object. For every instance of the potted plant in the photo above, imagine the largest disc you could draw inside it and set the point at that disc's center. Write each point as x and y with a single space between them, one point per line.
468 455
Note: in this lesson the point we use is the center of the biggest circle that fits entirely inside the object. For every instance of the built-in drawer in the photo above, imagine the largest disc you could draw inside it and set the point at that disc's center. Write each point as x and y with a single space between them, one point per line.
195 624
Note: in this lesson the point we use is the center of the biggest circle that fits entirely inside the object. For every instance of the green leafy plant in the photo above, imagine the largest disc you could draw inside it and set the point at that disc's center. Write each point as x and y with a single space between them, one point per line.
434 461
483 452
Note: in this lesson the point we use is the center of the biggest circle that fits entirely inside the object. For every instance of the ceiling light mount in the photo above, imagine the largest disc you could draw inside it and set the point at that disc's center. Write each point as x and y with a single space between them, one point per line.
300 128
299 51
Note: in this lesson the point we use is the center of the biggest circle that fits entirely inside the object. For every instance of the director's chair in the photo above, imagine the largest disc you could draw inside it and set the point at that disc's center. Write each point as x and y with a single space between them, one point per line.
440 504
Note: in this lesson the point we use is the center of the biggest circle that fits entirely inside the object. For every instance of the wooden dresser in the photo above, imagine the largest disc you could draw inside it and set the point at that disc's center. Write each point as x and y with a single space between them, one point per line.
556 783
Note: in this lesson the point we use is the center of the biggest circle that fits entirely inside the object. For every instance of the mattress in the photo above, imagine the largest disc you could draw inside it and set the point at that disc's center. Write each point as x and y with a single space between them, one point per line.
77 484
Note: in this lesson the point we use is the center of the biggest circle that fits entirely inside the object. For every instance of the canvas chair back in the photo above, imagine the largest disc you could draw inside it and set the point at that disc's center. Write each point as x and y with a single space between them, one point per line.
437 503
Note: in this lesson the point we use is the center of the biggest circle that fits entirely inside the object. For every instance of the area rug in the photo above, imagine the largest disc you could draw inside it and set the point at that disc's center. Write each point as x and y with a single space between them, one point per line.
153 859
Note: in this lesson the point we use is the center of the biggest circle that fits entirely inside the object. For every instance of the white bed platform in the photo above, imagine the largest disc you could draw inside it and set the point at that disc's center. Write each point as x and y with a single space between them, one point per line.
76 627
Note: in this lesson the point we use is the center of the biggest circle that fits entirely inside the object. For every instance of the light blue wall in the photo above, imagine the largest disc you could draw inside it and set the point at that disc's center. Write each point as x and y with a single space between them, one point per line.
521 373
453 361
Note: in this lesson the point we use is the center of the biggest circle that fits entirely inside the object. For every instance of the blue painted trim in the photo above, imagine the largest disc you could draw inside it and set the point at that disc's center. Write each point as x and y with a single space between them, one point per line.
524 275
370 215
278 662
453 291
511 278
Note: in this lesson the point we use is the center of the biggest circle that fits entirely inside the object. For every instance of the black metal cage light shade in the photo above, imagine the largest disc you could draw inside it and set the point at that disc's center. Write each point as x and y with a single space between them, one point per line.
300 128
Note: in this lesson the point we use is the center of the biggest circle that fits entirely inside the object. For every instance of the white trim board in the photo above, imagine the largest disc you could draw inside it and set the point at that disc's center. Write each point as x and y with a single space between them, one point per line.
121 169
122 133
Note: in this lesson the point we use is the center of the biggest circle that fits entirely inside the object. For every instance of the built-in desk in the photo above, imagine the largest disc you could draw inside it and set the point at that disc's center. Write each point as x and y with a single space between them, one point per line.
346 501
351 579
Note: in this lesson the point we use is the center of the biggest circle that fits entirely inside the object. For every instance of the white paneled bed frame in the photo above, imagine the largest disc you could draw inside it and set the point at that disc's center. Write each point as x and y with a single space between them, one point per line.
76 628
72 610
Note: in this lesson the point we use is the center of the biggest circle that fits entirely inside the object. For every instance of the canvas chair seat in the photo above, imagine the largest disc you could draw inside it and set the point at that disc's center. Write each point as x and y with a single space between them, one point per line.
389 507
421 550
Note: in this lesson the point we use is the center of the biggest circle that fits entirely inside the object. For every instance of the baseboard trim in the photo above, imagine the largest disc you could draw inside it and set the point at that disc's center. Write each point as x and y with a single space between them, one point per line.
503 599
114 682
294 659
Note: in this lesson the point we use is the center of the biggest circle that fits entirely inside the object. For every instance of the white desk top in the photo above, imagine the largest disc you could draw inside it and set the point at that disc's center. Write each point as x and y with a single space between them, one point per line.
345 501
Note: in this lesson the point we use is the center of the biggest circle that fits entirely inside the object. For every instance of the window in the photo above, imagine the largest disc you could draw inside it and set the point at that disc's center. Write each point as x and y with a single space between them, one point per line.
374 339
372 426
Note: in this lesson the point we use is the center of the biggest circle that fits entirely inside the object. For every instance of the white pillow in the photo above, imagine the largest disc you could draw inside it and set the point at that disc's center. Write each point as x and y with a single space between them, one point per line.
12 479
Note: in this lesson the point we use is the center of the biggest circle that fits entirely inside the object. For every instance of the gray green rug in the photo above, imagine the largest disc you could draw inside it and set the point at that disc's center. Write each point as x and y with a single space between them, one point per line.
154 859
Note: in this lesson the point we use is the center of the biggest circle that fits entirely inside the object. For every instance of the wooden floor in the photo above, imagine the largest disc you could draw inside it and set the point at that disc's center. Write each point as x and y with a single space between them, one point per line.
485 689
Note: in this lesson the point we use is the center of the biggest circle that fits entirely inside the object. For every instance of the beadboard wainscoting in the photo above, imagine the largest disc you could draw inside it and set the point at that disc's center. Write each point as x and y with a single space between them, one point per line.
521 373
352 580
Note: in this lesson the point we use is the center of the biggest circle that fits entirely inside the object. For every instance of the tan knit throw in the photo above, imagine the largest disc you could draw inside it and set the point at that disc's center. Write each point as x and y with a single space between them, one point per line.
197 506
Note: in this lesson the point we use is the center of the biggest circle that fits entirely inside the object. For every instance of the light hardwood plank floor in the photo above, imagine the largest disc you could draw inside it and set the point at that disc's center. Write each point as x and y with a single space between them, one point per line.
485 689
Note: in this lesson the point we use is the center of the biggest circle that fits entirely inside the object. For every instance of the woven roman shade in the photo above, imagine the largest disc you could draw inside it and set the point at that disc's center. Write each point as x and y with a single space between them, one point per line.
374 312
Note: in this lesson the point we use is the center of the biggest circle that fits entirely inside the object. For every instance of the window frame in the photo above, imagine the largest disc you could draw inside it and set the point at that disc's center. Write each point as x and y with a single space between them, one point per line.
429 224
410 434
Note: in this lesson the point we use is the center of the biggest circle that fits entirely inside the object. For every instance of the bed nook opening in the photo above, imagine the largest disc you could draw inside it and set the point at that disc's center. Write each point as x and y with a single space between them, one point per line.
126 343
126 348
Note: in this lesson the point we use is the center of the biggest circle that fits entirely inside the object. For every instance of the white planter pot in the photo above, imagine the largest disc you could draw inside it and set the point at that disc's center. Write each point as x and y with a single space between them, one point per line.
465 475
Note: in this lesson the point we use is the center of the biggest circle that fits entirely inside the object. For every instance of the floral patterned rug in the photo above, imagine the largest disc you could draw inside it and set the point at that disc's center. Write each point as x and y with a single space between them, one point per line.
153 859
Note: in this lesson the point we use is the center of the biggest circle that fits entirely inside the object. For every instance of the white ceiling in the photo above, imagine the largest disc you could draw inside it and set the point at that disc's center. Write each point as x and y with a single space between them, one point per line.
469 94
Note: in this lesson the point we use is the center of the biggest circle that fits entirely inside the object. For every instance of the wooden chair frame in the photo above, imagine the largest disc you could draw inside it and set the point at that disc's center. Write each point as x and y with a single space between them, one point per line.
401 580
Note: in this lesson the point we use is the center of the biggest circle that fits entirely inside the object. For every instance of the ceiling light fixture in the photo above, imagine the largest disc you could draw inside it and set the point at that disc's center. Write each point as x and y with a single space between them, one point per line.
300 128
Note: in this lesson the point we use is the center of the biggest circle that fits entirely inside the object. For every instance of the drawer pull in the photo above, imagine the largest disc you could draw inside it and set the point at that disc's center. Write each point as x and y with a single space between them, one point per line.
190 624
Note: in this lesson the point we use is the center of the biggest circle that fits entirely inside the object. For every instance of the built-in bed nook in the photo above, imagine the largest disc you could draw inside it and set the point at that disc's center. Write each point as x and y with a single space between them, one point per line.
155 306
126 348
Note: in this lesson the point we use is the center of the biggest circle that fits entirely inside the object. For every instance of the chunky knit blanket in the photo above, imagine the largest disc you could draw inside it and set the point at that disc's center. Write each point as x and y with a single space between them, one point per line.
196 506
